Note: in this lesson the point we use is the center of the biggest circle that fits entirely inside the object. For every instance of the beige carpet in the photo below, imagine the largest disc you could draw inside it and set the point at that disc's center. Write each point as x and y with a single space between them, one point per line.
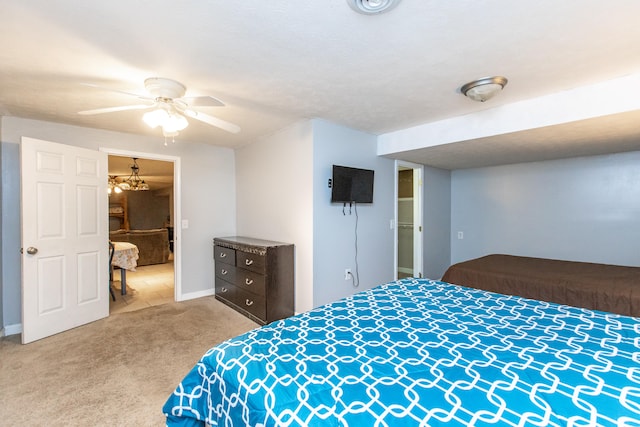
118 371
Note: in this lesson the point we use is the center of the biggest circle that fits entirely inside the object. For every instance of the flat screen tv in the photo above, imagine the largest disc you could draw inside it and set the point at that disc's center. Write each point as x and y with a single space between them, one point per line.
351 185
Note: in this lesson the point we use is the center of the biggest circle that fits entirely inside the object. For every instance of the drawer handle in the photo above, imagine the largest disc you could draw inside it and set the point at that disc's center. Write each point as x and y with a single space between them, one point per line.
223 290
224 272
248 281
223 255
248 261
248 302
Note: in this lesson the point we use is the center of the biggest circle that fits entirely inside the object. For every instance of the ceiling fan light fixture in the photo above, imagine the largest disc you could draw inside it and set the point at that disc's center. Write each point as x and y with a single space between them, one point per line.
174 123
169 134
156 117
372 7
169 108
483 89
170 121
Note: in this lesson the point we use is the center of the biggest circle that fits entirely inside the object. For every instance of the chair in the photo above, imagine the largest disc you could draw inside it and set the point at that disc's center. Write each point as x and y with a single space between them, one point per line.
112 249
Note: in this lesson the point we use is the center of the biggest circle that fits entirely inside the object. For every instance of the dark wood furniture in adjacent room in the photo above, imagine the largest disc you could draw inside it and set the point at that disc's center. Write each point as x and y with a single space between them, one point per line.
153 245
255 277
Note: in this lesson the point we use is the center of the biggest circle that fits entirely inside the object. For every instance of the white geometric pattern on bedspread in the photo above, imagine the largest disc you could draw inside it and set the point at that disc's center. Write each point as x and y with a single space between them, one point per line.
422 353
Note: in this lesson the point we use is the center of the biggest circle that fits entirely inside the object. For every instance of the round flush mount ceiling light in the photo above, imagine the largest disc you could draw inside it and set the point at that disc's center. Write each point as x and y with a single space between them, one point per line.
372 7
484 89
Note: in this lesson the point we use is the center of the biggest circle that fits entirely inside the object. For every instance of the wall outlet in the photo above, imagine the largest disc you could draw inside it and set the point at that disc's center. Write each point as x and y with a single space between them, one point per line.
460 235
347 273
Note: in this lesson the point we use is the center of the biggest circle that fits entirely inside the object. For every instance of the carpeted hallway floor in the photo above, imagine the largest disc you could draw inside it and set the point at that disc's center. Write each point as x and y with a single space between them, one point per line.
118 371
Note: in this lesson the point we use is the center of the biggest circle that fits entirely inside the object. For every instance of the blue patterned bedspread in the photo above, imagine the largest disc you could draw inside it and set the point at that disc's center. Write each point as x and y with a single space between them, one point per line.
421 353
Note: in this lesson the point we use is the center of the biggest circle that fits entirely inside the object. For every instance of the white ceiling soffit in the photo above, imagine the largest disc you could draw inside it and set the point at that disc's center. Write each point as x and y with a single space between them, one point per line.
603 135
559 125
278 62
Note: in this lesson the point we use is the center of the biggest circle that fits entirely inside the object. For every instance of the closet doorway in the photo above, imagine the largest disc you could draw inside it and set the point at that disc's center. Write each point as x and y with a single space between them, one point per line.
408 219
145 218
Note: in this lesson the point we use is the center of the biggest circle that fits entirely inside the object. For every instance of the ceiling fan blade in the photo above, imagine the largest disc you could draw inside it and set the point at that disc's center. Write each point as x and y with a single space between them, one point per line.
202 101
137 95
213 121
114 109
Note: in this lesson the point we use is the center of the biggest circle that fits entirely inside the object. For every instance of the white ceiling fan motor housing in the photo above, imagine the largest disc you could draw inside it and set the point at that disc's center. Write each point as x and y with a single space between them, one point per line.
160 87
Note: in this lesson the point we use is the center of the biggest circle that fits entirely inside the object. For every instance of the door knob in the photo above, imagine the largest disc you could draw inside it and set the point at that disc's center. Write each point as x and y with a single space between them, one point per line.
31 250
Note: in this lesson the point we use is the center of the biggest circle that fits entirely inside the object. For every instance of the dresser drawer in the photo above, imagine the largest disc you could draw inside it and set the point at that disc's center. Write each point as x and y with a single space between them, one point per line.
226 255
250 261
254 304
255 277
226 272
250 281
225 290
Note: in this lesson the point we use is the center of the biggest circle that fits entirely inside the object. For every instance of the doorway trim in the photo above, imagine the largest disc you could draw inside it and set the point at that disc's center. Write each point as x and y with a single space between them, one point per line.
418 231
177 214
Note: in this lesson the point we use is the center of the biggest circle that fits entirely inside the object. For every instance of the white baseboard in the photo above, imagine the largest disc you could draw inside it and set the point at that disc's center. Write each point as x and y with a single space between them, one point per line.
17 328
11 330
199 294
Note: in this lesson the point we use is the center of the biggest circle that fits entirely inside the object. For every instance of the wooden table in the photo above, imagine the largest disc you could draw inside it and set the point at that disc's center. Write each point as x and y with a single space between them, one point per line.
125 256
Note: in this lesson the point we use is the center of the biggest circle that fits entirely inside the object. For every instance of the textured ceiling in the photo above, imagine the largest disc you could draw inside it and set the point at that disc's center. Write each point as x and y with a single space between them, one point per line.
277 62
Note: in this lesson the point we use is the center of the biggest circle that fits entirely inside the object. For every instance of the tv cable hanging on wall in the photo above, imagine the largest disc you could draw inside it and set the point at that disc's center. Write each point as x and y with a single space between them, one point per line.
352 186
355 281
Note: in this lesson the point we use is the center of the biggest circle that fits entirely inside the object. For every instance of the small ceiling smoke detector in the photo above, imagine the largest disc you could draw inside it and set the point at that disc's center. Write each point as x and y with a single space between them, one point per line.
484 89
372 7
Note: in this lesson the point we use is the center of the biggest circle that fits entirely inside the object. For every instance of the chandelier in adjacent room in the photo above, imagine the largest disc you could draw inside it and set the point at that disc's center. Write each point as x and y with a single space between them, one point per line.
134 182
114 187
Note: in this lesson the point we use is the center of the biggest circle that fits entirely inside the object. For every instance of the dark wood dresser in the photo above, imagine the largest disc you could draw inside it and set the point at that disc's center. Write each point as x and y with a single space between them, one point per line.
255 277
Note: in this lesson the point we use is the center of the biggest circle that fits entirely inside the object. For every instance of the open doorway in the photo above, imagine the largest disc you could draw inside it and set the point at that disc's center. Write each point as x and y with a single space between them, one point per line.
408 218
142 214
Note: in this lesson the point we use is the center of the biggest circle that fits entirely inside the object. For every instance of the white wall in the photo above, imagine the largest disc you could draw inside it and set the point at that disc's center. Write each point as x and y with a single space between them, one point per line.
581 209
333 232
208 198
275 201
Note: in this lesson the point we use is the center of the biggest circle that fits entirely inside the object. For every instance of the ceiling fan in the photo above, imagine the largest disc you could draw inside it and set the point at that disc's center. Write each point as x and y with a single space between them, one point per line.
169 107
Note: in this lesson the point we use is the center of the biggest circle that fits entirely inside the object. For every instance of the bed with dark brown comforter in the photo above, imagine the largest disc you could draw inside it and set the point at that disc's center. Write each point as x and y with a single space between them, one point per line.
604 287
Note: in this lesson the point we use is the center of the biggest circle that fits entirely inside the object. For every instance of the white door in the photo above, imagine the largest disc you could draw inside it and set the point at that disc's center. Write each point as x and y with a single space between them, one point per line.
417 223
408 220
65 266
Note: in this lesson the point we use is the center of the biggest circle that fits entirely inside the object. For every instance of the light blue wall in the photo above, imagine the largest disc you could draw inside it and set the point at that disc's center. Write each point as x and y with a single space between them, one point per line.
275 201
1 264
11 264
436 222
581 209
333 232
